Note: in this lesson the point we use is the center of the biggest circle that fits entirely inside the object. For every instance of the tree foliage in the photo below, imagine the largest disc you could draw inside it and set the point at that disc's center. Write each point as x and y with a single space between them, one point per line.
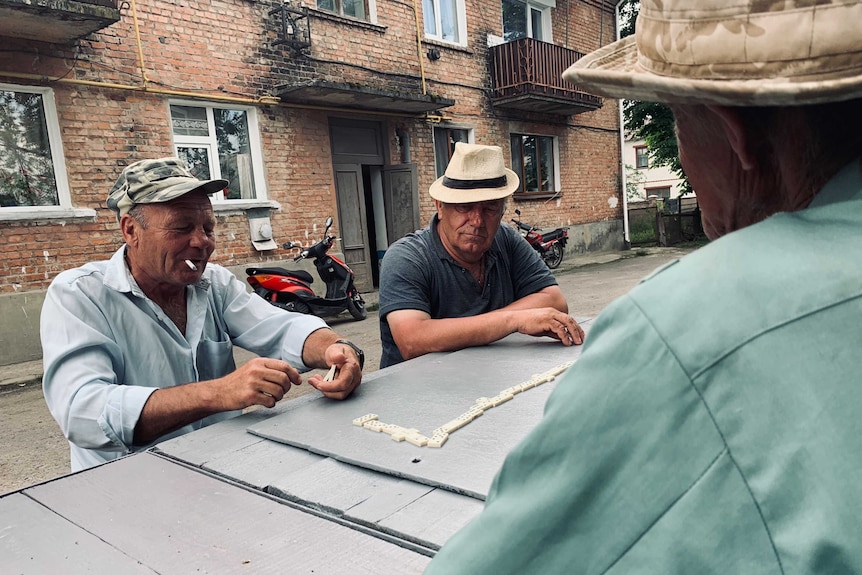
650 121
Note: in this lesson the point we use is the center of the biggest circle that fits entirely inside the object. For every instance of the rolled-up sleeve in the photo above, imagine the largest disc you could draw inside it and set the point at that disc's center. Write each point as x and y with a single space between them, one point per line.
258 326
83 365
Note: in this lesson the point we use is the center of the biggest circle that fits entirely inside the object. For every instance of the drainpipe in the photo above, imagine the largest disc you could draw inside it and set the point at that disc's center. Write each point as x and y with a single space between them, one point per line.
627 244
419 46
404 144
144 78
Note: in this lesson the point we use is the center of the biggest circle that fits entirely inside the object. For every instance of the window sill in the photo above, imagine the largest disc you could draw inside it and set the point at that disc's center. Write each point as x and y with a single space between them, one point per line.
47 214
448 45
333 17
236 207
528 196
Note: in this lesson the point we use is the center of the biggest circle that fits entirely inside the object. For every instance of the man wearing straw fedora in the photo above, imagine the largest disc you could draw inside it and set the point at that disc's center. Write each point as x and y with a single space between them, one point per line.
465 280
716 430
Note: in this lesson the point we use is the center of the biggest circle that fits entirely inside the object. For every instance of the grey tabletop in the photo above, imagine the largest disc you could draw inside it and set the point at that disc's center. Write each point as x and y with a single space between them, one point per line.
309 452
301 487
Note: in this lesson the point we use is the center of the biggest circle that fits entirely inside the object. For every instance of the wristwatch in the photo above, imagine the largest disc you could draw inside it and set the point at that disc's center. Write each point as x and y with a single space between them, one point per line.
359 353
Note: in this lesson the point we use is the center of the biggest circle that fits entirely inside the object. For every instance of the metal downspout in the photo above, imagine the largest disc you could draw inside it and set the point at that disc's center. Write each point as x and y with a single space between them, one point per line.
419 47
627 243
144 78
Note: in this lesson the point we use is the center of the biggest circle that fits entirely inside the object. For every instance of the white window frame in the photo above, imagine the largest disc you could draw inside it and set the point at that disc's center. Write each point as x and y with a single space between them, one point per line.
211 143
460 14
639 156
544 6
58 159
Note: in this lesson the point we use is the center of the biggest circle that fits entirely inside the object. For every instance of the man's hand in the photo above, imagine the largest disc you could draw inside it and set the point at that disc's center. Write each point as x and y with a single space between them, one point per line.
552 323
348 374
260 381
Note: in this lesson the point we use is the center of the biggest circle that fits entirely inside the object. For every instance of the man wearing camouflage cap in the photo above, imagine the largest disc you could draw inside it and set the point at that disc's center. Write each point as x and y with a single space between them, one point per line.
139 349
711 423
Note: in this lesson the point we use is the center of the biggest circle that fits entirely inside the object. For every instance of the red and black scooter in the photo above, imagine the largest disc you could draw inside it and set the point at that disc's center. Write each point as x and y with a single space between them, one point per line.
291 289
550 245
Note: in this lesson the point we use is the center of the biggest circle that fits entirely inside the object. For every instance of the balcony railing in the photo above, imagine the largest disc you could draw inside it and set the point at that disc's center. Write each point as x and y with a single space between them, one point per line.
526 74
56 21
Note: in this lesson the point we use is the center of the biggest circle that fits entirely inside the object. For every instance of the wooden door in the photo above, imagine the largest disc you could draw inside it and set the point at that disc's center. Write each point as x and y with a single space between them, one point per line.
401 199
351 223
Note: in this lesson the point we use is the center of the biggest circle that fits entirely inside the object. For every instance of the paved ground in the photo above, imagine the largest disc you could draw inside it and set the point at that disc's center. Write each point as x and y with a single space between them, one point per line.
32 449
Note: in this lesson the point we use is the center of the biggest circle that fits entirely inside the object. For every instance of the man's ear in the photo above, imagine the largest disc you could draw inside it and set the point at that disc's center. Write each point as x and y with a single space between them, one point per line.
129 227
735 132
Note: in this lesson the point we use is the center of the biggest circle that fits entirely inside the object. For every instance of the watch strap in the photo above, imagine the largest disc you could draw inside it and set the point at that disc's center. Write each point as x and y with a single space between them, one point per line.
359 353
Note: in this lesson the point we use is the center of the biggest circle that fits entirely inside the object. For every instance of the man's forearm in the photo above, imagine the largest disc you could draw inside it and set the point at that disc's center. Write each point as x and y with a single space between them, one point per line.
449 334
549 297
171 408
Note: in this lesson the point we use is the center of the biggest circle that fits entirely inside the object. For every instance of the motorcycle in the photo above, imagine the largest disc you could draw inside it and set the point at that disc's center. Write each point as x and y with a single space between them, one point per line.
291 289
549 245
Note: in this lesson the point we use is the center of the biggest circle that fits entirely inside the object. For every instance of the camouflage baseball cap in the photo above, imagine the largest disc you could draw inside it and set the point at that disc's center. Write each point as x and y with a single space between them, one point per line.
155 181
745 53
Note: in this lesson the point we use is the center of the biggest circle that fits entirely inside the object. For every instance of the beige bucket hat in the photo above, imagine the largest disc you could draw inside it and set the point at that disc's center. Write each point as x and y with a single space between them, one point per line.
476 173
742 53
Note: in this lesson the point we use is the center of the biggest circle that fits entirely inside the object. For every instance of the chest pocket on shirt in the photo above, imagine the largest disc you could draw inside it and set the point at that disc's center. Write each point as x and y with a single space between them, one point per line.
215 359
215 354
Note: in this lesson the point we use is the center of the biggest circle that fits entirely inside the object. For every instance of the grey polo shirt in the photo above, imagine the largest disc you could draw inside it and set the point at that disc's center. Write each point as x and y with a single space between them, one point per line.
418 273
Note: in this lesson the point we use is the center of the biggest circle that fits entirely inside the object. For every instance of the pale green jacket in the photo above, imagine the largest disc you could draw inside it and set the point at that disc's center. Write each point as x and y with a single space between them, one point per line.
713 423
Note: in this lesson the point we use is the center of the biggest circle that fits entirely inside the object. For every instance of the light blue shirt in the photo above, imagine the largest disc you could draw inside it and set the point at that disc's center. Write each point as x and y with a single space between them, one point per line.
107 347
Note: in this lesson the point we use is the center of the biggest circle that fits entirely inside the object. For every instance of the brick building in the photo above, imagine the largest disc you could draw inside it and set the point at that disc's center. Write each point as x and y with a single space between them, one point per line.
347 108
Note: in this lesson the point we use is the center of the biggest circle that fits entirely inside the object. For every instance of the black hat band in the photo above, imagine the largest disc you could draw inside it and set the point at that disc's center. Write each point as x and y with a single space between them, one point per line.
456 184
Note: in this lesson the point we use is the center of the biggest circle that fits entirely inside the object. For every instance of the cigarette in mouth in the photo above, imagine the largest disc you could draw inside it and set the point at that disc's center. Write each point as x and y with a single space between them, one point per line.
191 265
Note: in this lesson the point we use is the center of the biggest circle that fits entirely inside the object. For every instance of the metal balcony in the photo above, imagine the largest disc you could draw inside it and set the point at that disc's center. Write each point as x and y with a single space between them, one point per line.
55 21
526 74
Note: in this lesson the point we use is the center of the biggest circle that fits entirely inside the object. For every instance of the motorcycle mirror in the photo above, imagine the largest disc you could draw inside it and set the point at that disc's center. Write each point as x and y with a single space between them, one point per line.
517 211
328 222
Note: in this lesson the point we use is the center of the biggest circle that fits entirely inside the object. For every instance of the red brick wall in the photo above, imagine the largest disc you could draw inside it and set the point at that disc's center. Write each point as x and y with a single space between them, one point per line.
211 49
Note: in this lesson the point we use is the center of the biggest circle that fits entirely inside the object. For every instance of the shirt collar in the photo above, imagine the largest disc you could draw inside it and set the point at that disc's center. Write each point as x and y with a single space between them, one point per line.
845 185
117 276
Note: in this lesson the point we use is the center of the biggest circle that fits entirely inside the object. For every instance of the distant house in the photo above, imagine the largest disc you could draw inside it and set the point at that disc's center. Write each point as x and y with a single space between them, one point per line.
644 181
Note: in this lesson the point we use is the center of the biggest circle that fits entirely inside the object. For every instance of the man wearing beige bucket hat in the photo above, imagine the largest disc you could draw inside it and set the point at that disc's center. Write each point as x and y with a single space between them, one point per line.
711 423
140 348
465 280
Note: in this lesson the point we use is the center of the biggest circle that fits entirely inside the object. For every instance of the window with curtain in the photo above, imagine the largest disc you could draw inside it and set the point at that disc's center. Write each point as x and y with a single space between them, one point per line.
444 20
534 160
220 142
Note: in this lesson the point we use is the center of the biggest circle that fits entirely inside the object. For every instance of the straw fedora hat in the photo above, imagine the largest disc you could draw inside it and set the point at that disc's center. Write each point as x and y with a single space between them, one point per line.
745 53
475 173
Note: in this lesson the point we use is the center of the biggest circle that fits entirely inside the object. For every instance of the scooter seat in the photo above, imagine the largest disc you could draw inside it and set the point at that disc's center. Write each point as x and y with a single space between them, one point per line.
553 234
298 274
